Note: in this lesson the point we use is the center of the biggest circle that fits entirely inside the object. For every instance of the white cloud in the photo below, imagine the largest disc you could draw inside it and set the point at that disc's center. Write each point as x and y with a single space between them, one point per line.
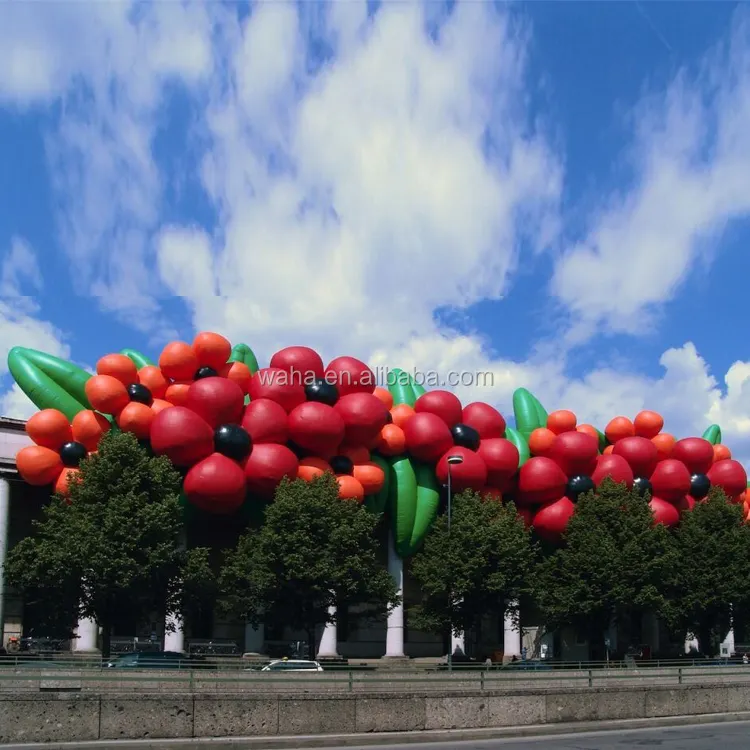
691 165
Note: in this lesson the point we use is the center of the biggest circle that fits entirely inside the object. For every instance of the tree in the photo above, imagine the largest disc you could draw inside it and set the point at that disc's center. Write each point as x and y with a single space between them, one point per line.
479 566
613 564
114 549
313 552
710 571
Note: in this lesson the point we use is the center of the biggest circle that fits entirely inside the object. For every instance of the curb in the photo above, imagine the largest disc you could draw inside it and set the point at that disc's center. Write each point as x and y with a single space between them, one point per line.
450 736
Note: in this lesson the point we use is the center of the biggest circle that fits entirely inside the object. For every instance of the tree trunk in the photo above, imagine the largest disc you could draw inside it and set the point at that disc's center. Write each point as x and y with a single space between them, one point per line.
106 640
312 644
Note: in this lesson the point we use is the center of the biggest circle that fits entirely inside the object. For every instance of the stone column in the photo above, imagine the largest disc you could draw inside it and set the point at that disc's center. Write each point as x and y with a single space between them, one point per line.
174 640
328 645
255 639
511 638
4 527
458 644
394 634
87 632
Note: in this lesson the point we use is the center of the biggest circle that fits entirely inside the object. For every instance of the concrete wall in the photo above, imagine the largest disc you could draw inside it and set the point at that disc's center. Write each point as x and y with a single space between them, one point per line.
58 717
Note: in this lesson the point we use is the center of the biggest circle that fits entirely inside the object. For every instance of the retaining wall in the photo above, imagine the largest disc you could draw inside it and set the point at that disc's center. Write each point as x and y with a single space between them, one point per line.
61 717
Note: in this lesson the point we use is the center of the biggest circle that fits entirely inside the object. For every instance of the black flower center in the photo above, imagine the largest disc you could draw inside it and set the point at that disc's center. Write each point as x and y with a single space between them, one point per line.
579 485
232 441
465 436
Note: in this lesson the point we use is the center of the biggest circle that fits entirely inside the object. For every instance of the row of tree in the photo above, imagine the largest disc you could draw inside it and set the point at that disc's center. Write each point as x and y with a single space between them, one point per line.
117 549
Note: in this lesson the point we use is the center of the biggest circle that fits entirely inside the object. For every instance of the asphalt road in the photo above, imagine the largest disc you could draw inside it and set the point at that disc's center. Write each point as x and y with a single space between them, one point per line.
726 736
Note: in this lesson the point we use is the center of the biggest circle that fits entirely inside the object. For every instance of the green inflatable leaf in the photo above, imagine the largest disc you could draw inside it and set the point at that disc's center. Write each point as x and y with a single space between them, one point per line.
401 388
402 502
522 445
428 504
713 434
419 390
138 359
525 412
50 382
243 353
377 503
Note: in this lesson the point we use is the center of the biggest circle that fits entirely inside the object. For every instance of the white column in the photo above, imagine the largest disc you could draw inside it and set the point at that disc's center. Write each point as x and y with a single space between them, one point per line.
255 638
174 639
394 634
511 637
458 644
329 639
87 635
4 526
727 645
691 643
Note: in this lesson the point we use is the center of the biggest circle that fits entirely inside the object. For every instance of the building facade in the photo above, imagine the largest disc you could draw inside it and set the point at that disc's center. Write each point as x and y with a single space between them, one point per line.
20 504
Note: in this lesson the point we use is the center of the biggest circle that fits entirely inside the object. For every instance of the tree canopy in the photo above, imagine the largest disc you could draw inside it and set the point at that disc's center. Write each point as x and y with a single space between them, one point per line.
613 563
710 571
479 566
314 551
114 549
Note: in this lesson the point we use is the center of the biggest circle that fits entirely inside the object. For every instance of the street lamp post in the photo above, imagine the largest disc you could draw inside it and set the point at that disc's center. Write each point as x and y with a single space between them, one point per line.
452 461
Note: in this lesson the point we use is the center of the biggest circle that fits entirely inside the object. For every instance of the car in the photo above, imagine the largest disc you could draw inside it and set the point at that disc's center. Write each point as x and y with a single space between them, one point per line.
292 665
152 660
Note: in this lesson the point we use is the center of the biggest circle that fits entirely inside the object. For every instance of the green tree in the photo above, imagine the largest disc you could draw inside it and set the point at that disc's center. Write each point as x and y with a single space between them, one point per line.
479 566
114 549
611 566
710 571
314 551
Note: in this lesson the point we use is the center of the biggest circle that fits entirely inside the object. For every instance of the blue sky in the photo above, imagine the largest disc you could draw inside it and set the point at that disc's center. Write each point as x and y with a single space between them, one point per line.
555 192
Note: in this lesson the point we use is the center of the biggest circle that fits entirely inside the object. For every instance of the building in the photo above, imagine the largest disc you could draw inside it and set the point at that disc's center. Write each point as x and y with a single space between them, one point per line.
20 504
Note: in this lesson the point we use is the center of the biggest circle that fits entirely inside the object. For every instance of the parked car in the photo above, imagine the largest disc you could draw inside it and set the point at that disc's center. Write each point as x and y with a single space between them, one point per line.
154 660
292 665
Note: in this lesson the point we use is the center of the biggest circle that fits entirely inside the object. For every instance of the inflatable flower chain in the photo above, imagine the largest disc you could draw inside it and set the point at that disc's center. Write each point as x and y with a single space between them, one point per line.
236 431
568 459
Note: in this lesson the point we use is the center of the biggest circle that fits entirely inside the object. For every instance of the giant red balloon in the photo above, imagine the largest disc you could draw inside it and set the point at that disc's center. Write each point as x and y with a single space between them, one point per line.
640 453
277 385
302 362
266 422
664 512
218 400
181 435
615 467
730 475
471 474
575 453
540 480
486 420
551 520
443 404
364 416
501 459
316 427
266 466
350 375
427 436
216 484
670 480
696 453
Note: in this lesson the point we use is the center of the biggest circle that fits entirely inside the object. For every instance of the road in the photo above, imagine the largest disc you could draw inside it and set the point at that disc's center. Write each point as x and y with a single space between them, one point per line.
727 736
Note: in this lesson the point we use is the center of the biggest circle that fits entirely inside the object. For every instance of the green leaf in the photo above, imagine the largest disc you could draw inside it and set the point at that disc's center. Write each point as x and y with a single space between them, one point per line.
427 505
50 382
402 502
522 445
400 387
713 434
138 359
243 353
528 412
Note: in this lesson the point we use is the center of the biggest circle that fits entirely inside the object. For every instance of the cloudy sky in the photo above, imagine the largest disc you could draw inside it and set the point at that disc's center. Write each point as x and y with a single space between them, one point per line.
555 192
